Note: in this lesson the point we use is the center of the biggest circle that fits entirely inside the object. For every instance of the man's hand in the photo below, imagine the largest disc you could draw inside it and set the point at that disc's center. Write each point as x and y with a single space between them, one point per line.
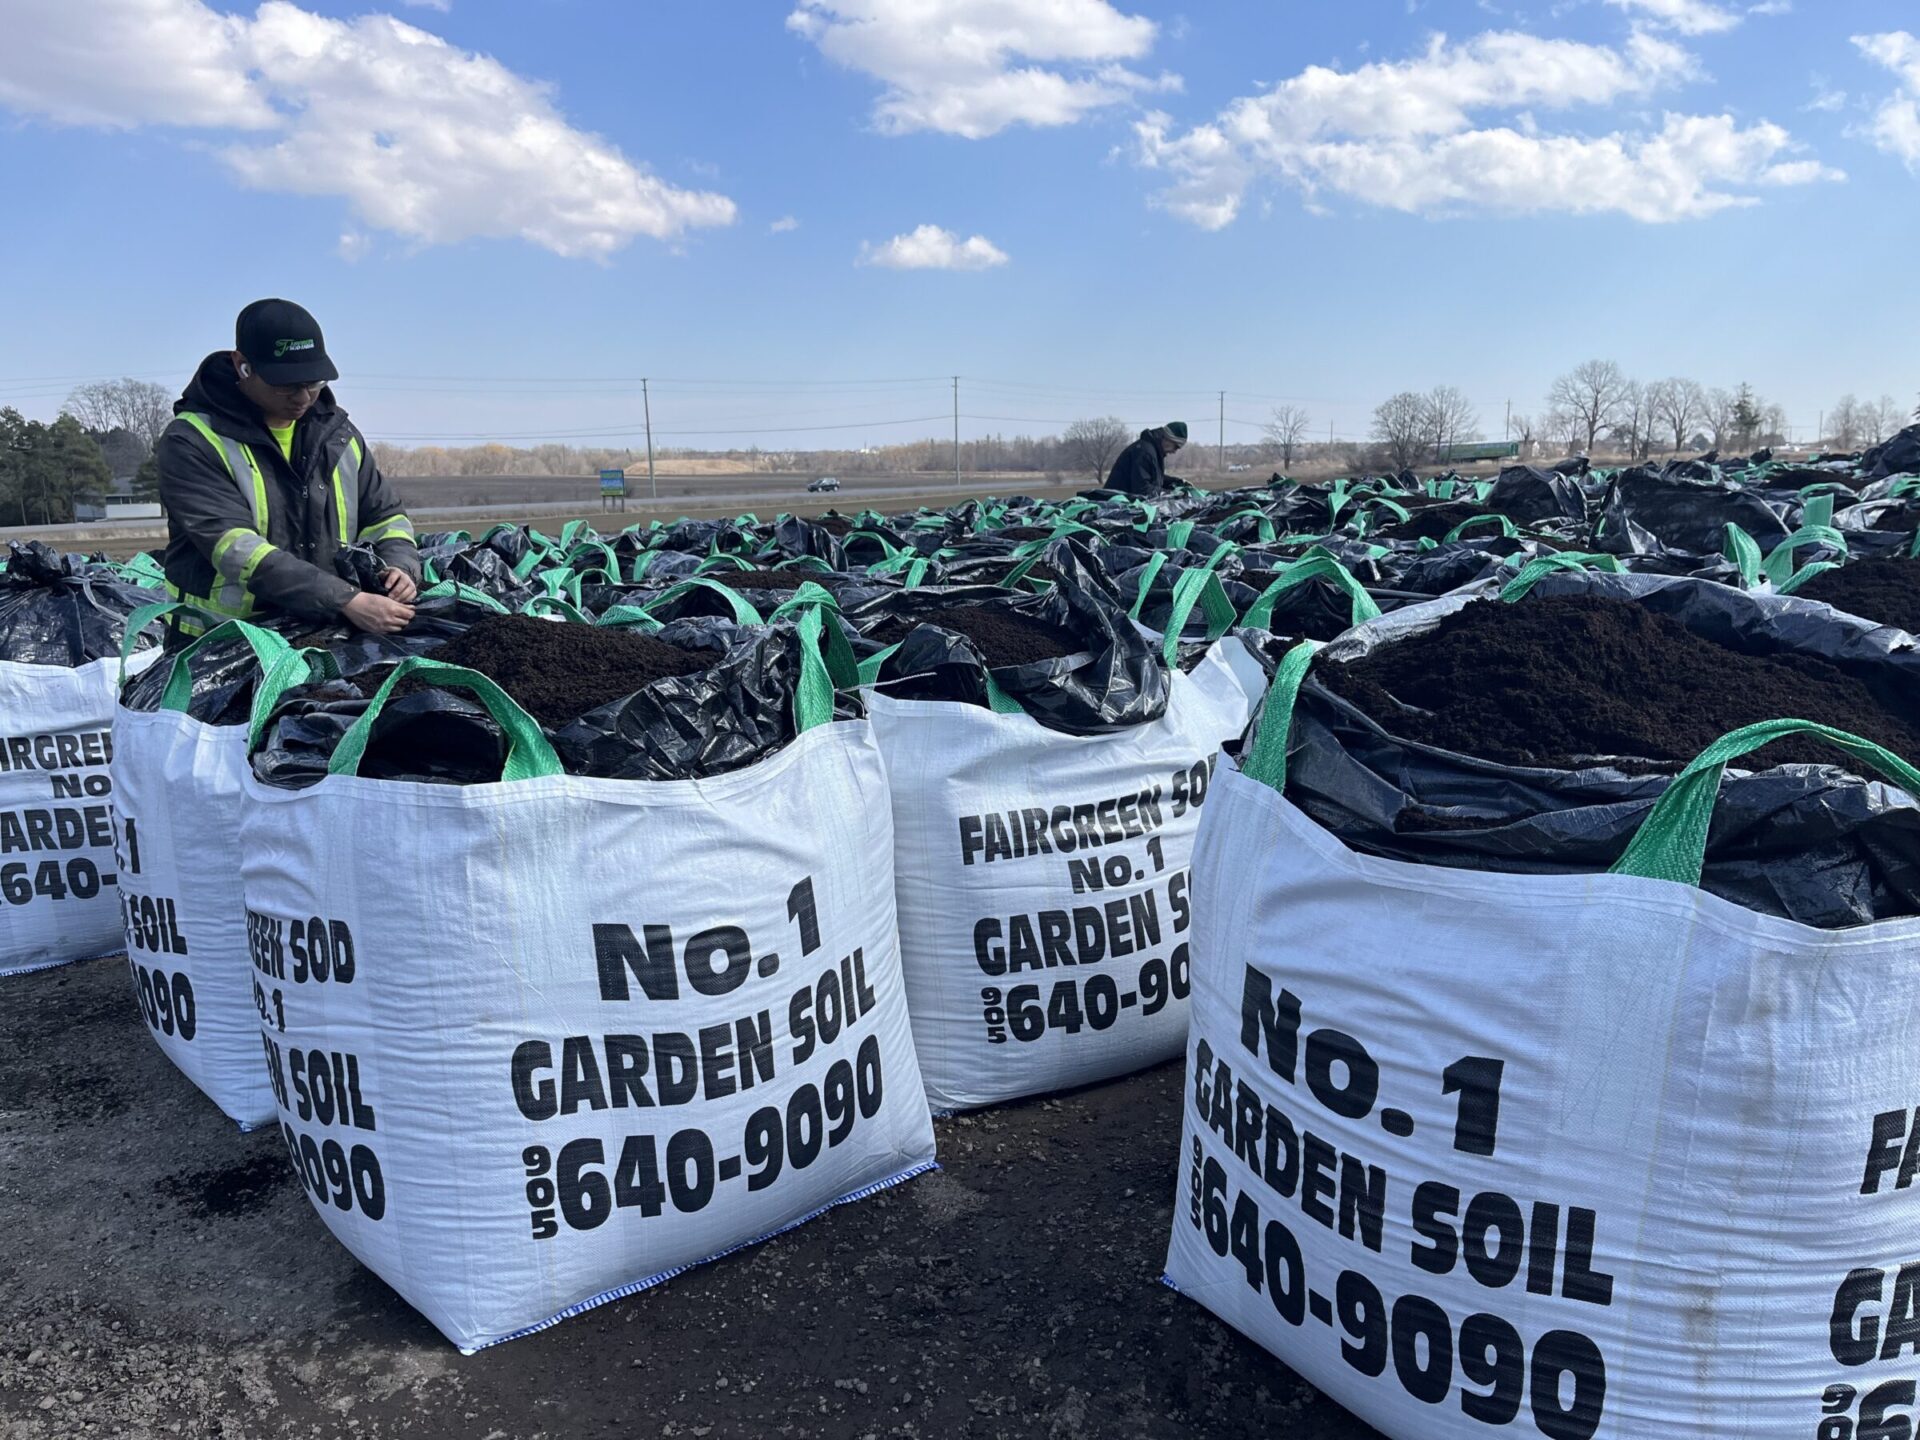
400 585
378 614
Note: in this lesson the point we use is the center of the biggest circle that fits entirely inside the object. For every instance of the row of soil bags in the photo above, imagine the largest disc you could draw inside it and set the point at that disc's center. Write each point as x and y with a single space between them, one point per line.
459 912
1552 946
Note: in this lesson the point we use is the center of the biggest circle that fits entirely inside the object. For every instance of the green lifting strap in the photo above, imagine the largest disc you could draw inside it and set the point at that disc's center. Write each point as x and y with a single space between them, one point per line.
1361 606
1541 566
1149 573
1671 843
1778 566
1266 758
529 755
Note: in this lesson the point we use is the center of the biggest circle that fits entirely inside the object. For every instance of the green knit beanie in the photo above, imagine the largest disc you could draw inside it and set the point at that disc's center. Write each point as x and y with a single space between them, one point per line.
1177 429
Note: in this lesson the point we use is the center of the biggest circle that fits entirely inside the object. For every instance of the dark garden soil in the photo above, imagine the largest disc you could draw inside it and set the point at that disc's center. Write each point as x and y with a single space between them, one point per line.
1557 680
558 671
1887 591
166 1279
773 579
1022 532
1003 637
1435 521
834 524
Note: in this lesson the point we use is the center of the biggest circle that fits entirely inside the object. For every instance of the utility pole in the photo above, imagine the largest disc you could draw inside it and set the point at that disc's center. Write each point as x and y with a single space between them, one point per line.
956 432
1506 431
646 399
1223 432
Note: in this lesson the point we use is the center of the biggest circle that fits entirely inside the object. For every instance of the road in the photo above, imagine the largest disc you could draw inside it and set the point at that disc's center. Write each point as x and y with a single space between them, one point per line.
165 1277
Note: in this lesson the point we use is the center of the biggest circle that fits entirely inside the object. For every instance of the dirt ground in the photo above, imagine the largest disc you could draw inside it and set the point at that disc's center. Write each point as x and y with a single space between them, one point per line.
162 1275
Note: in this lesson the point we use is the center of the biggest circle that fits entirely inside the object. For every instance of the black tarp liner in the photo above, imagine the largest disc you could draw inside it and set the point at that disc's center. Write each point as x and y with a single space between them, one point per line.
1529 495
1898 456
1119 681
65 610
731 715
1648 511
1814 844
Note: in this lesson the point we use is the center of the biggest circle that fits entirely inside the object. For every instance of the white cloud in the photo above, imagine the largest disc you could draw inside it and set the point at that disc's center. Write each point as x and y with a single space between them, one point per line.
931 248
420 138
1405 135
1689 17
354 245
784 224
443 6
974 67
1895 127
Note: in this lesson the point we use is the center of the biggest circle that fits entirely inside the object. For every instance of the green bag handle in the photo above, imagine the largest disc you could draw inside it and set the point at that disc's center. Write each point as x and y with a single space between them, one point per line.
1198 584
998 701
1264 526
813 695
567 584
1778 566
1323 566
138 621
805 562
529 562
743 610
1019 572
1541 566
429 570
267 648
1913 550
1507 526
1805 573
610 560
634 615
640 563
1372 506
916 572
459 591
570 531
1818 509
529 756
1178 532
1441 489
1337 501
871 667
722 560
555 605
1266 758
1744 551
841 666
1155 564
295 667
1482 489
1671 843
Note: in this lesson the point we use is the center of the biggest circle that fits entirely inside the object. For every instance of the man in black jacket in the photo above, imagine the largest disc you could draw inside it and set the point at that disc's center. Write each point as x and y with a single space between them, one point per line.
265 480
1142 467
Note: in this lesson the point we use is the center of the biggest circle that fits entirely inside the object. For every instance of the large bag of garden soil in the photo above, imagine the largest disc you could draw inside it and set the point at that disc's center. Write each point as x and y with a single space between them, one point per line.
1596 1155
178 767
61 625
1041 870
1533 735
547 1040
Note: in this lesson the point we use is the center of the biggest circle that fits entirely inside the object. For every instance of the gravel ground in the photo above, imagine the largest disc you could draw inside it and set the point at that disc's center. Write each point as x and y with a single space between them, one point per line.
163 1276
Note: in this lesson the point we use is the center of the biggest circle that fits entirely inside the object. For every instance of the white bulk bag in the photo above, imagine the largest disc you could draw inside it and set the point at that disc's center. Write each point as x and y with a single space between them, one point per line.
1579 1155
542 1043
58 901
1043 886
177 801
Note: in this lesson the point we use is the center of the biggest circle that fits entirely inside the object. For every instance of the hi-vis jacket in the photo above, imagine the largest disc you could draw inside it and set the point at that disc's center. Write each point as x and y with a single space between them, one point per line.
251 534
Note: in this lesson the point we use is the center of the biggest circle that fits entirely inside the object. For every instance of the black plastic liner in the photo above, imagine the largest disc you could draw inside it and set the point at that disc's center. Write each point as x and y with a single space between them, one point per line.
1811 843
65 610
731 715
1119 681
1648 511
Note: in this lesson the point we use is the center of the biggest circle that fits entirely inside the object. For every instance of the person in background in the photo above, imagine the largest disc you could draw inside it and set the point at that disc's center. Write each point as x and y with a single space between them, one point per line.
265 480
1142 467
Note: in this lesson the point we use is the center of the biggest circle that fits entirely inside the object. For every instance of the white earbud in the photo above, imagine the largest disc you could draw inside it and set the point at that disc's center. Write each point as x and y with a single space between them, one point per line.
246 370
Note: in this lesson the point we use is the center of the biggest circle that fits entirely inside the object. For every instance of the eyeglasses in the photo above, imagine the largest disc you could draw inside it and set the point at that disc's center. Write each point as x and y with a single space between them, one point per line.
290 391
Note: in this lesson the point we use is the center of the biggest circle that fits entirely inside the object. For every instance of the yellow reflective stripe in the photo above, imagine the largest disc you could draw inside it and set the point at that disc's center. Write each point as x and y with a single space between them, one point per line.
253 563
199 423
386 529
224 545
259 491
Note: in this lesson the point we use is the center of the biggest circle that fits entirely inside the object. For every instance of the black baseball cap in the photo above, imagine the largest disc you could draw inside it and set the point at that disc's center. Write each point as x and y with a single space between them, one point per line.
282 342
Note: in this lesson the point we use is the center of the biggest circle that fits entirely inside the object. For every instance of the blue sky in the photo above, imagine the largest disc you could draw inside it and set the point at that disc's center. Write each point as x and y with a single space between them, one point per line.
503 213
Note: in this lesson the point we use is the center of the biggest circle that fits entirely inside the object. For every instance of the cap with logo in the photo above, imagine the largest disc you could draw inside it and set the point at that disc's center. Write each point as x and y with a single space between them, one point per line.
282 342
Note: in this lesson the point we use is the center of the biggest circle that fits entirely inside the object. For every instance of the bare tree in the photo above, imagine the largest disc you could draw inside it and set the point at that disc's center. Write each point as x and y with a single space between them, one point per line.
1449 418
1718 416
1591 394
1286 430
1844 424
1678 405
1522 430
1090 445
1773 425
137 406
1633 424
1881 420
1400 425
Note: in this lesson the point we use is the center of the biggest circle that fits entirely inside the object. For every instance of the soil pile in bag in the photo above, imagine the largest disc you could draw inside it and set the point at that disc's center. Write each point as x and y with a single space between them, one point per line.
557 671
1569 729
1435 522
1558 682
61 610
1003 637
1887 591
774 579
